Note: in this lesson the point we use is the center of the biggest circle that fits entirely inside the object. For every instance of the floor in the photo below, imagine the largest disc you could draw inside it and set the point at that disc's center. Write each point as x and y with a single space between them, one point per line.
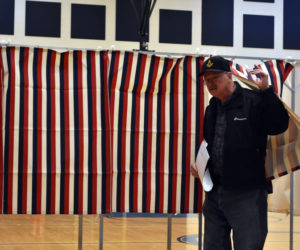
60 232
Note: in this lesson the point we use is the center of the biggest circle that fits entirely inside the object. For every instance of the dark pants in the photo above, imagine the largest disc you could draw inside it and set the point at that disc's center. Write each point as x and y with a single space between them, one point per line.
245 212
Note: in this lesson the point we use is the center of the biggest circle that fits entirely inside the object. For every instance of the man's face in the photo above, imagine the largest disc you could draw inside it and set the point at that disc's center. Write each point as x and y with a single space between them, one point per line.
217 82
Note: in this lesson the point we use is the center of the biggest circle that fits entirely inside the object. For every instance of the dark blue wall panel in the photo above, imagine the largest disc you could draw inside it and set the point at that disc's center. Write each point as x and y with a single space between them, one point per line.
175 26
291 24
127 24
42 19
88 21
7 10
217 22
258 31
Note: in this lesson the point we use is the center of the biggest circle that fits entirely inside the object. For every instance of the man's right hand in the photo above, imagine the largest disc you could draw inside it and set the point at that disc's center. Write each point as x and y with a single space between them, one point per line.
194 171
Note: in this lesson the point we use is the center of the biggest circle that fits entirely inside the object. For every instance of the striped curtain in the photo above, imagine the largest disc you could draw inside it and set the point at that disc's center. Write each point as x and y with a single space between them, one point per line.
98 132
156 115
55 137
283 151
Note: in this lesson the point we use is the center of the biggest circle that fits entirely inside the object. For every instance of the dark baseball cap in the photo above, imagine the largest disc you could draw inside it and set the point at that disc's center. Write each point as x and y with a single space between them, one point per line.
215 64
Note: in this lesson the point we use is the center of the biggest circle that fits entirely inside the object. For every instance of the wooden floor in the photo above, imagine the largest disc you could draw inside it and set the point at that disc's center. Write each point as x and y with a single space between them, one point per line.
60 232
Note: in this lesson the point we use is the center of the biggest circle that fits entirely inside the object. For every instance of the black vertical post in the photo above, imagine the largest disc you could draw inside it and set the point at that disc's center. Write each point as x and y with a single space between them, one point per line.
143 17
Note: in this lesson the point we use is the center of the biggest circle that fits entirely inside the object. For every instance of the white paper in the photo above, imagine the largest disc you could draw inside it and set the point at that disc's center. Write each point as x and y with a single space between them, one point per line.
207 182
201 161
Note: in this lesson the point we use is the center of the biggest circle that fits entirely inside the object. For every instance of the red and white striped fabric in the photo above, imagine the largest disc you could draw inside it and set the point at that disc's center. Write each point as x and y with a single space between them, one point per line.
156 113
278 71
55 136
98 132
283 151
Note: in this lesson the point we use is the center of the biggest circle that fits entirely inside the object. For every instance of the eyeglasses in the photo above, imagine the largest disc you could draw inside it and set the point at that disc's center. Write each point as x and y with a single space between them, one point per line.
215 78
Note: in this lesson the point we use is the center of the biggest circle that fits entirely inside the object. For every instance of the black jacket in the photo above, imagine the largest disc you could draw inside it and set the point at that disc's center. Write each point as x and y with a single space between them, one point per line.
250 117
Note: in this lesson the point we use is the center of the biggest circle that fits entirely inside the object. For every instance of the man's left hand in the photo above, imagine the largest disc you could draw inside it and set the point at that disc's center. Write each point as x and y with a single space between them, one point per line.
261 82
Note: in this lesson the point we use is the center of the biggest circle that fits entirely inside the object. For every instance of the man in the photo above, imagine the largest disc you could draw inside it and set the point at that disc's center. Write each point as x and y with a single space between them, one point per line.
236 125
